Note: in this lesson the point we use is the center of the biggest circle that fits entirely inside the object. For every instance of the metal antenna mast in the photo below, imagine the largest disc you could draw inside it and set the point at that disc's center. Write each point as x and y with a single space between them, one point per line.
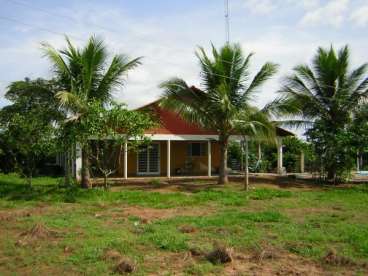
227 22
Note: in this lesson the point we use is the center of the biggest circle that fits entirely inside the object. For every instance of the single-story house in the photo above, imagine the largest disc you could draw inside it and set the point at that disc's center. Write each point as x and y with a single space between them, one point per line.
178 148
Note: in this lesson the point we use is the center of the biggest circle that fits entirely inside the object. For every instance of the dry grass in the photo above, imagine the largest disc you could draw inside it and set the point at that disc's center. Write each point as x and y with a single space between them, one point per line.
156 231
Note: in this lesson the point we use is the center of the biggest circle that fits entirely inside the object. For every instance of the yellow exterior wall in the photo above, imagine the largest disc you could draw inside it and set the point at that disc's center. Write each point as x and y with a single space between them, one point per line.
178 159
132 163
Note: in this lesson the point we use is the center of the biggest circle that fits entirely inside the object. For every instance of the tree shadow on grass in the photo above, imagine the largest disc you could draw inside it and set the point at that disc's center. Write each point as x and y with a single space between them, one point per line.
11 191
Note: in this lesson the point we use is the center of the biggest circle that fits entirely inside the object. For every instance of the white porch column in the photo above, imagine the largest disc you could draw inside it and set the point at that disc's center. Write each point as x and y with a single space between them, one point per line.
246 171
168 159
358 167
126 160
209 161
358 161
241 144
279 156
78 162
71 162
361 162
259 152
302 162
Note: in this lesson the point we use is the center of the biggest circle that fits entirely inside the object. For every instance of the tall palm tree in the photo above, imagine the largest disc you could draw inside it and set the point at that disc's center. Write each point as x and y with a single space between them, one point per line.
88 75
324 94
224 98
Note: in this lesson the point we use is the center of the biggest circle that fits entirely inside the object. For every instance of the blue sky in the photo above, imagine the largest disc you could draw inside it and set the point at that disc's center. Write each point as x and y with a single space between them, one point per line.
167 32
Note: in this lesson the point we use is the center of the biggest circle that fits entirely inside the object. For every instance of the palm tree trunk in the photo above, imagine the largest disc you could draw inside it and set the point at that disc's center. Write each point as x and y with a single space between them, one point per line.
331 174
223 177
67 168
86 182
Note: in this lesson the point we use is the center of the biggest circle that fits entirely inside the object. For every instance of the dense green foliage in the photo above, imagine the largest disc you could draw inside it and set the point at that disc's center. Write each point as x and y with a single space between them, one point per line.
28 125
111 128
89 76
324 97
292 148
223 103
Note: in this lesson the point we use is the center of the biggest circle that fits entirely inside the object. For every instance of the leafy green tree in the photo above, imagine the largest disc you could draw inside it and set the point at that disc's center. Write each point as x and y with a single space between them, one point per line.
323 97
28 95
111 128
293 148
87 75
28 123
359 130
224 101
29 139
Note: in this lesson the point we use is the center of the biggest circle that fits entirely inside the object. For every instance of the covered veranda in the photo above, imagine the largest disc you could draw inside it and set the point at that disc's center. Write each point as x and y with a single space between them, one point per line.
179 156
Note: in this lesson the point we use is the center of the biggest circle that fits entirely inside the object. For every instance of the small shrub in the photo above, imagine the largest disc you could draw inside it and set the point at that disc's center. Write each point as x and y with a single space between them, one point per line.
125 266
187 229
332 258
156 182
219 255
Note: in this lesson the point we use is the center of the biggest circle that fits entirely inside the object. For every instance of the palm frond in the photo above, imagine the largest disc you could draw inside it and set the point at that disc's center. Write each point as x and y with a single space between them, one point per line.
70 101
56 59
187 101
120 66
256 124
294 124
266 72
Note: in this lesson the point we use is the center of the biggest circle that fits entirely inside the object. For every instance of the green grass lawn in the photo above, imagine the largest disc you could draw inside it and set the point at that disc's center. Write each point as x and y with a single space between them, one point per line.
268 230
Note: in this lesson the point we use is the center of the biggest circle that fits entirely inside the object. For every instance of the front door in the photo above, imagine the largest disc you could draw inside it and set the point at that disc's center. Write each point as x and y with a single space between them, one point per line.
149 159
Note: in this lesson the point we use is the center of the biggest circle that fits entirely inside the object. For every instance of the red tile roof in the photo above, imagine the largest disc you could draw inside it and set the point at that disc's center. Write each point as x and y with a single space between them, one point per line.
172 123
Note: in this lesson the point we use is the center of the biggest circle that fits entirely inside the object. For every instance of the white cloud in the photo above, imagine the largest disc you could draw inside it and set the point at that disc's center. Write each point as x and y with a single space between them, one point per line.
360 16
304 4
168 42
308 4
333 13
261 7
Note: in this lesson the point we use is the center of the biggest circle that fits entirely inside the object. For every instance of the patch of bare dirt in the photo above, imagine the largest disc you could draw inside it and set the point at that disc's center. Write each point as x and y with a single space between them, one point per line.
112 255
272 262
187 229
14 214
36 233
147 215
191 184
122 265
263 253
39 231
41 269
40 209
333 258
267 260
299 213
168 263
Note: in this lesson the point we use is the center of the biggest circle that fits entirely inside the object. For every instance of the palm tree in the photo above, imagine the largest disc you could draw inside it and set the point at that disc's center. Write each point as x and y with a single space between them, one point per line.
324 95
224 98
254 123
87 76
